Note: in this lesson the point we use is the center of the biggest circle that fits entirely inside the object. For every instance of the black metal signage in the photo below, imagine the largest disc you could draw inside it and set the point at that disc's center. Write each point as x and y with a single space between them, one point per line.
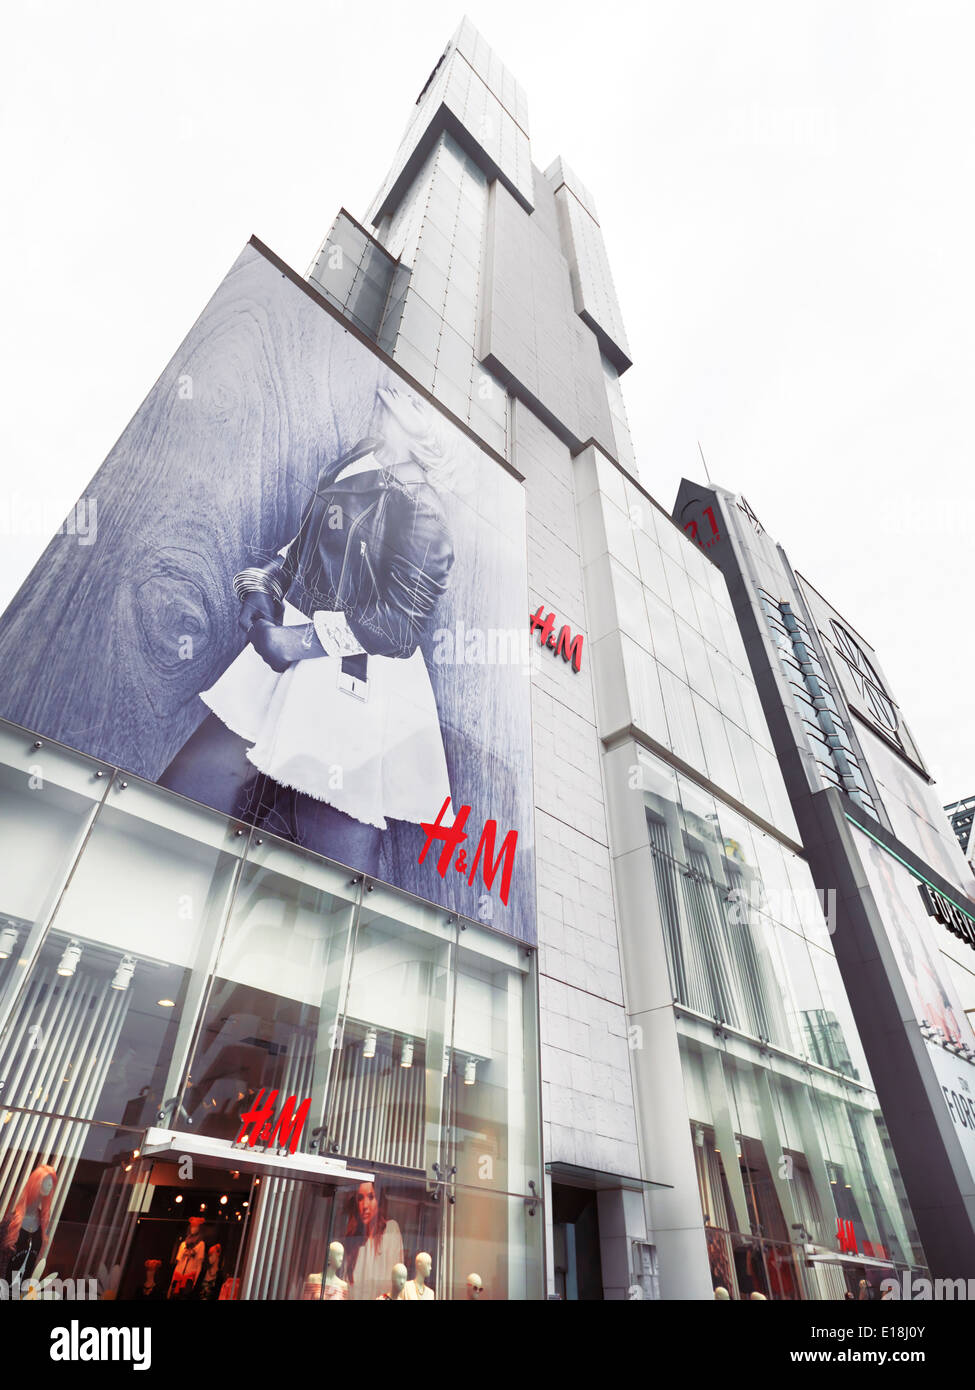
949 914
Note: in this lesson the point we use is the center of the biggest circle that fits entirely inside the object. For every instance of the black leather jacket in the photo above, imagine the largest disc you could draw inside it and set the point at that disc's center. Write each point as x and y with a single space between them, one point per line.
375 547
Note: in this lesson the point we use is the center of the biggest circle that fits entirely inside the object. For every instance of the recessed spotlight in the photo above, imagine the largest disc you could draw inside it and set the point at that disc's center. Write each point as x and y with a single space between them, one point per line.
166 1003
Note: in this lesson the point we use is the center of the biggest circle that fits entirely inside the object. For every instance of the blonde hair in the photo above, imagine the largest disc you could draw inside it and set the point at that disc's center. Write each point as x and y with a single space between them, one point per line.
432 453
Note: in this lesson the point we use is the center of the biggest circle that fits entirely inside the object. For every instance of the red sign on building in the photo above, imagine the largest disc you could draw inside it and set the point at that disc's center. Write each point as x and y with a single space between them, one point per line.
565 645
283 1134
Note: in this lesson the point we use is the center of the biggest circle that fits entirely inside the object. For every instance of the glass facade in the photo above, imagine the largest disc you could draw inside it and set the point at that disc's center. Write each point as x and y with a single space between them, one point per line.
789 1141
166 971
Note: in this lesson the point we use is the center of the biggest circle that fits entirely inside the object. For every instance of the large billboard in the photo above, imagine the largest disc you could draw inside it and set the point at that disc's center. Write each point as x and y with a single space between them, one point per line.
914 936
299 596
934 1000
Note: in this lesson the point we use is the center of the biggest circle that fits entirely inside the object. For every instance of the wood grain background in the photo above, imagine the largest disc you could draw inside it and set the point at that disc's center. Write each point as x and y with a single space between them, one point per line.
210 476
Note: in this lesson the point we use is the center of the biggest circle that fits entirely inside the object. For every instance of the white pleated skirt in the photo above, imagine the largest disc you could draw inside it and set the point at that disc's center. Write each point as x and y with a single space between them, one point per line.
378 758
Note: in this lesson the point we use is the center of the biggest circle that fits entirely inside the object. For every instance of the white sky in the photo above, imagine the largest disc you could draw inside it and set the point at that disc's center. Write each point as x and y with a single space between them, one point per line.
786 191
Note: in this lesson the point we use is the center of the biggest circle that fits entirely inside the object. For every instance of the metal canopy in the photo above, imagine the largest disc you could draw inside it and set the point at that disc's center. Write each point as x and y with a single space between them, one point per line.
162 1143
575 1176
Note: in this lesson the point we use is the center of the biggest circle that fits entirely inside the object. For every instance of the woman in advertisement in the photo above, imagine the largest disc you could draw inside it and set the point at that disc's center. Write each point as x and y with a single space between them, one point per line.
931 1000
325 725
376 1243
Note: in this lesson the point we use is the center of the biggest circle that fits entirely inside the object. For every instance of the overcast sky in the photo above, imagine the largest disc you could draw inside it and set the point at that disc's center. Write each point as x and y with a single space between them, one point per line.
786 192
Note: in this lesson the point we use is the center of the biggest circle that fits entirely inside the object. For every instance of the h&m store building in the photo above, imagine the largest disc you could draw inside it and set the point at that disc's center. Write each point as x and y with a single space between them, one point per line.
428 779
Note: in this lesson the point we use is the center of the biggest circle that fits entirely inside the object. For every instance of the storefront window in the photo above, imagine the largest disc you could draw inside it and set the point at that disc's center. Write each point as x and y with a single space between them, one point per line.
387 1103
68 1202
181 971
271 1016
103 1025
48 797
782 1156
498 1238
493 1100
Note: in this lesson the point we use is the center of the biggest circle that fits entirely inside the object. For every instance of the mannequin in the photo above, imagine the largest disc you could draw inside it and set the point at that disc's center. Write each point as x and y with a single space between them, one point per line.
722 1295
188 1260
209 1285
23 1232
475 1288
334 1286
418 1289
397 1283
311 1289
149 1288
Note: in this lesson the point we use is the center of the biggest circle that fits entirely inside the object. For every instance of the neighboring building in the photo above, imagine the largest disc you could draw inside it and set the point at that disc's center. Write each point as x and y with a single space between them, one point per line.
876 836
962 817
611 1056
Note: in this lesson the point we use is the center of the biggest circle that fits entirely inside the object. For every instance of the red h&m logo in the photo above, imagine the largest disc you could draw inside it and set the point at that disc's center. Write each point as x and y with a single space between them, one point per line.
846 1237
565 645
453 835
286 1131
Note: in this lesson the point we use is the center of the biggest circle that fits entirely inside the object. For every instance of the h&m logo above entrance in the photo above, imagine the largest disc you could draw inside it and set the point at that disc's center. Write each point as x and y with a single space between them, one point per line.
949 914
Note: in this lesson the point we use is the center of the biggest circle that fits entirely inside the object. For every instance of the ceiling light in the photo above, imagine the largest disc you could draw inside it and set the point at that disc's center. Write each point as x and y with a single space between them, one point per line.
8 940
369 1046
70 959
470 1071
166 1003
406 1056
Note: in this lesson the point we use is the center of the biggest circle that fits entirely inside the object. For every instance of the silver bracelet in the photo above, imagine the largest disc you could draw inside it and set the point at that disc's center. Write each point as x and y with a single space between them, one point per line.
257 581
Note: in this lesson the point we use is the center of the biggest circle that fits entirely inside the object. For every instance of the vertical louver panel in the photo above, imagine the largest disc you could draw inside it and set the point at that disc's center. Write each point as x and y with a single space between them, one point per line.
377 1111
80 1019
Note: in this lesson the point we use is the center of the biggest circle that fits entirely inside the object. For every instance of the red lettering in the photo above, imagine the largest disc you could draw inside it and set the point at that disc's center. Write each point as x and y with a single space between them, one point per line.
259 1117
491 865
450 835
544 626
574 650
569 647
290 1125
846 1237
